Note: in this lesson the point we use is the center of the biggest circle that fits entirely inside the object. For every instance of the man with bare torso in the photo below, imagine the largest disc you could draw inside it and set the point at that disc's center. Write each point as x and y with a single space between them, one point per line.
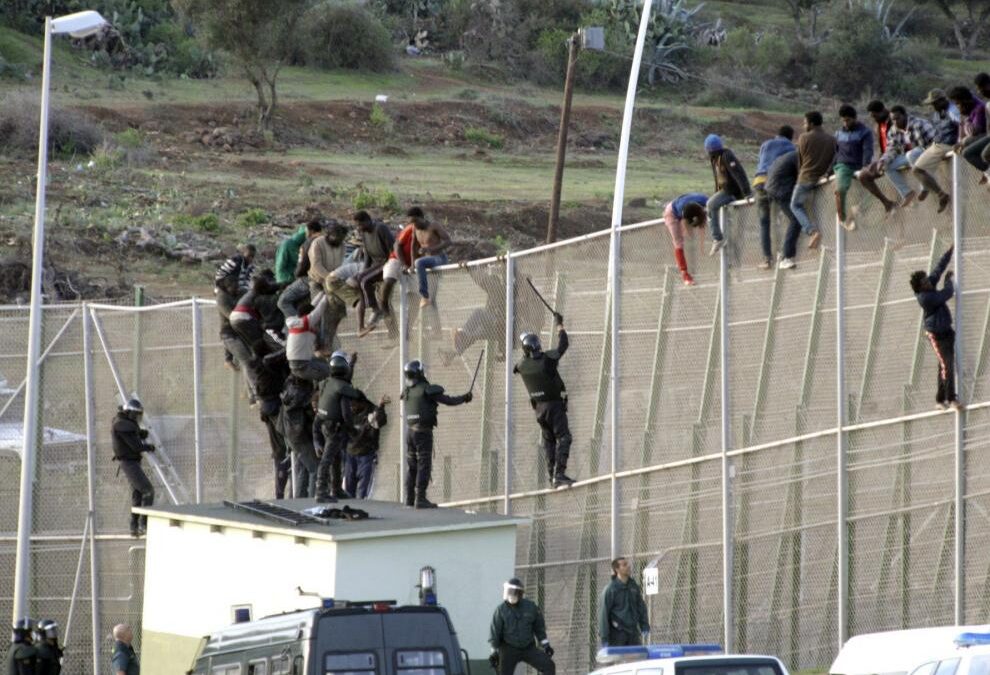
429 250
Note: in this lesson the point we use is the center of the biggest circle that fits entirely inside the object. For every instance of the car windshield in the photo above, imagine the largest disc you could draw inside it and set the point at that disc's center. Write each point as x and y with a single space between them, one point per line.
728 669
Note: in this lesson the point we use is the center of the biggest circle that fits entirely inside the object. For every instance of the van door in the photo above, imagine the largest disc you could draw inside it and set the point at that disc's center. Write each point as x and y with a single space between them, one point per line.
349 644
420 643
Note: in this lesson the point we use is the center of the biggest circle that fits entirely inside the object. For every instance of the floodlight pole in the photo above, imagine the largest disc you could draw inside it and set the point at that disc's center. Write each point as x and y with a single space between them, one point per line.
22 574
613 267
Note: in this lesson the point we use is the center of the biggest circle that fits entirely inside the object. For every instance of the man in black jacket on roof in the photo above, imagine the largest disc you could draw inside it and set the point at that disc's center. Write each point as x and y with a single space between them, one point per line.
938 326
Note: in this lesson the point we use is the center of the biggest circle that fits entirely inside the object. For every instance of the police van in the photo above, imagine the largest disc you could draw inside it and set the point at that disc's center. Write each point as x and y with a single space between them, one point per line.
971 656
373 638
684 660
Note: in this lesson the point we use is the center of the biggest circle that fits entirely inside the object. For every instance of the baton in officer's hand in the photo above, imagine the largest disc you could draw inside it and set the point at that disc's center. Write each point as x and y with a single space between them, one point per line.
476 369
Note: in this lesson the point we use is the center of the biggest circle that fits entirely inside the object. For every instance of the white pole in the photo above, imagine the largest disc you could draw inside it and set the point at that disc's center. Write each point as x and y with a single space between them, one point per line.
728 594
510 318
197 388
403 357
842 486
613 266
959 587
22 576
94 569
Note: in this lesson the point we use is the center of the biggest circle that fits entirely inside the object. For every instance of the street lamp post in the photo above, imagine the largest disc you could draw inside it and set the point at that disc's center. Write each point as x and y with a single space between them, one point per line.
80 24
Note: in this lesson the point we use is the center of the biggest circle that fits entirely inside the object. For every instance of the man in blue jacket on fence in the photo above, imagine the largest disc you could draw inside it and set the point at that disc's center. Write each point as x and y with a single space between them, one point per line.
938 326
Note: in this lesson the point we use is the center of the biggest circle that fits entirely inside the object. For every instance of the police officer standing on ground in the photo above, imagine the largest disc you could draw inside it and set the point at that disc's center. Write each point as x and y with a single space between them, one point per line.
622 614
548 396
22 658
422 399
125 661
514 625
49 652
334 413
128 444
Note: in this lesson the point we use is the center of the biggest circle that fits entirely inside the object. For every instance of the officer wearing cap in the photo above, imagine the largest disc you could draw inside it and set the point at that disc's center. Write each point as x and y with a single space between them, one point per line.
548 396
22 658
333 412
422 400
515 624
49 652
128 445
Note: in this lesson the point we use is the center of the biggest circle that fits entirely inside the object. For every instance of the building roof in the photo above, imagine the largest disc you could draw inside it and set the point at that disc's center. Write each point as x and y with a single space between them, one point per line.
386 519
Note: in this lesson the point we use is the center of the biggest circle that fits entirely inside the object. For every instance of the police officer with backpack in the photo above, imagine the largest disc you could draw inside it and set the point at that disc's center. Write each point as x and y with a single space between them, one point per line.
49 651
334 415
22 658
128 445
422 400
548 396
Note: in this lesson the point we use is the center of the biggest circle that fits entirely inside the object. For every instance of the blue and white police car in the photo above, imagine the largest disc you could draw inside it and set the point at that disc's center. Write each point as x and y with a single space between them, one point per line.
685 659
971 656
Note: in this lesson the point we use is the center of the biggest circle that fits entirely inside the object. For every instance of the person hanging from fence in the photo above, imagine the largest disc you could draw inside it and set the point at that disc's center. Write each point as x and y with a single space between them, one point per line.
248 320
287 256
946 135
272 372
731 183
129 444
326 254
622 617
300 345
548 396
685 213
517 626
335 418
49 651
362 446
231 281
779 145
938 326
422 400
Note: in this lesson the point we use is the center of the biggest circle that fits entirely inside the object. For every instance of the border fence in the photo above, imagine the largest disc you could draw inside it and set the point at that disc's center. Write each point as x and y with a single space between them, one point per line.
794 406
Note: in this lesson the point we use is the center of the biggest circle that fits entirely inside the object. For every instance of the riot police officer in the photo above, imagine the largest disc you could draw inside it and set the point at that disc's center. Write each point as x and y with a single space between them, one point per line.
548 396
22 659
334 414
49 651
128 444
514 625
422 399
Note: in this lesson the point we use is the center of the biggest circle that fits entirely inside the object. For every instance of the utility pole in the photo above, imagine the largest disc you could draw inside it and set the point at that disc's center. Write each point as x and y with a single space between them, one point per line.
574 47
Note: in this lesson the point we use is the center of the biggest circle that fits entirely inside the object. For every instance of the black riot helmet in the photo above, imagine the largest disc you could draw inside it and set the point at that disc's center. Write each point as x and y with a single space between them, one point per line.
22 630
414 371
531 345
133 407
46 629
339 367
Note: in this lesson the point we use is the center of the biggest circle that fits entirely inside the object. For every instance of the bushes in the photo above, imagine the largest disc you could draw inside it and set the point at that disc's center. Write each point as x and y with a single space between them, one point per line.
341 35
69 132
484 137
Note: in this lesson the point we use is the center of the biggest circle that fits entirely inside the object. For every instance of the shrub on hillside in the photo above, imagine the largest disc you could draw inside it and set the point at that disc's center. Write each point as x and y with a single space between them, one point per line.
343 35
69 132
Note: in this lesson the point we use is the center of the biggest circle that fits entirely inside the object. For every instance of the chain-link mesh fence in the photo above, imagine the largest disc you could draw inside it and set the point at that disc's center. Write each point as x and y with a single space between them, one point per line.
780 353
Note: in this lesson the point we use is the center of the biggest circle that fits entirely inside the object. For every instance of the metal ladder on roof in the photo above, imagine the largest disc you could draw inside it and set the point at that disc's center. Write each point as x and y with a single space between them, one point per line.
159 460
270 511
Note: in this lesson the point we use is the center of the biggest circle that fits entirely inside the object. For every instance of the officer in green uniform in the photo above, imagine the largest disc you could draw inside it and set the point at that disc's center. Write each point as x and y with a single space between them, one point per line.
22 658
124 660
334 414
622 614
49 652
129 443
515 623
548 396
422 399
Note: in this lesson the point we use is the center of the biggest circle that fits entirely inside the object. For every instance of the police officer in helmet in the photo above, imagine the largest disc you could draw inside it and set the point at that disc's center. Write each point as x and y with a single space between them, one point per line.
128 445
548 396
514 625
49 652
334 414
22 658
422 400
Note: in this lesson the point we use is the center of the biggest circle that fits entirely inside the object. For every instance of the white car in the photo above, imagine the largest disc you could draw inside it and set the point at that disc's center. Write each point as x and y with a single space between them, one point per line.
684 660
896 652
971 656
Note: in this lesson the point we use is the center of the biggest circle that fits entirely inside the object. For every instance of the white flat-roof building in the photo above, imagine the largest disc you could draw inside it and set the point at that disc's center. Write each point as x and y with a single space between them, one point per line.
205 561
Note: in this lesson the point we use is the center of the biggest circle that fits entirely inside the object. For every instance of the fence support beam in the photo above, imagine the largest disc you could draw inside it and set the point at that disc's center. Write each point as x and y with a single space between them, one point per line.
875 323
510 321
959 586
842 486
94 565
197 398
728 605
403 359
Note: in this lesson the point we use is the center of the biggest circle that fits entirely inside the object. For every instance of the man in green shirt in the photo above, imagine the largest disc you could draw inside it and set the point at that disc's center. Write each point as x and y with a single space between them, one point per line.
287 256
622 613
125 661
515 624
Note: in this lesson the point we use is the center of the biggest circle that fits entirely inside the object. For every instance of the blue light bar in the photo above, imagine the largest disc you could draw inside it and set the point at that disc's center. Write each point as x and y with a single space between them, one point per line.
972 639
327 603
646 652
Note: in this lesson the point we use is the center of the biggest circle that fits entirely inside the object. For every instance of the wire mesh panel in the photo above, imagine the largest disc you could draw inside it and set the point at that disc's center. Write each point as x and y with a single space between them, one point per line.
977 517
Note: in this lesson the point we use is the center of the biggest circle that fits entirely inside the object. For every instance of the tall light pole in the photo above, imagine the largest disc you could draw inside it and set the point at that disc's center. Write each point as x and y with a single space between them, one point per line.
80 24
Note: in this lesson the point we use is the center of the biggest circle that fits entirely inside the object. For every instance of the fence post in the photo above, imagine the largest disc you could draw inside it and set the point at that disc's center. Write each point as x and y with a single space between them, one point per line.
94 569
403 358
197 396
510 319
138 320
727 558
959 587
842 485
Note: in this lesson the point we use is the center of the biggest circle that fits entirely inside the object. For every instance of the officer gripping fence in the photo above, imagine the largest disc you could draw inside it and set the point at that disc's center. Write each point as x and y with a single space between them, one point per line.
515 624
422 399
128 445
22 658
334 413
49 651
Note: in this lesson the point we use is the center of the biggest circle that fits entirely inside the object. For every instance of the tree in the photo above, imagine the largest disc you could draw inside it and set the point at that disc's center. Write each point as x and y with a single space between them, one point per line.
806 10
259 35
969 21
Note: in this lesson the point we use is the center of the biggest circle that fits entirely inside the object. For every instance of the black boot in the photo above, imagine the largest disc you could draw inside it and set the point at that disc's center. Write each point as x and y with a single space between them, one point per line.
423 503
135 526
562 480
325 498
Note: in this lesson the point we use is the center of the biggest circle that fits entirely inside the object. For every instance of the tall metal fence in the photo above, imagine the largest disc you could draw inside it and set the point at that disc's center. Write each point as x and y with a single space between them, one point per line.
797 406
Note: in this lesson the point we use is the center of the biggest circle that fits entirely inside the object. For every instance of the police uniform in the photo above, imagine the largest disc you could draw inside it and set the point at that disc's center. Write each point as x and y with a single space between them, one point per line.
128 445
296 424
334 415
125 660
362 447
22 659
49 659
422 399
548 396
622 616
512 631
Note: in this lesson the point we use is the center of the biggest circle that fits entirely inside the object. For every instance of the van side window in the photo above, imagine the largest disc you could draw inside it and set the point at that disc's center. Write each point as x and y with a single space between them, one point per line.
282 665
925 669
421 661
948 667
353 663
979 665
227 669
258 667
